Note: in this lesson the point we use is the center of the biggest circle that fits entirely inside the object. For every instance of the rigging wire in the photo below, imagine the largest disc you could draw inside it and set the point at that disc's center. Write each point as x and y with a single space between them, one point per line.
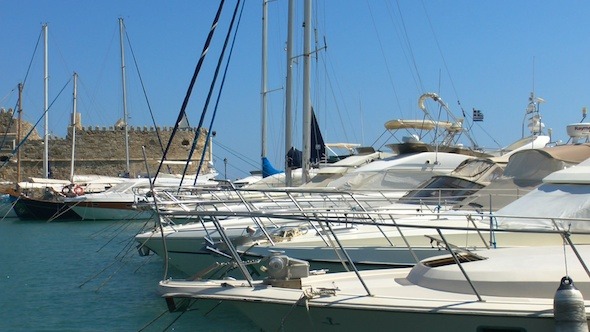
32 57
440 50
13 152
222 81
378 138
145 93
98 82
8 95
418 78
11 121
182 113
239 155
330 82
208 100
389 75
450 77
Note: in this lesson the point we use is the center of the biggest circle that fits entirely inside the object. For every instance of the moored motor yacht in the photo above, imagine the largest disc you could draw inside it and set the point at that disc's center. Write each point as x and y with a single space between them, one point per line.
511 289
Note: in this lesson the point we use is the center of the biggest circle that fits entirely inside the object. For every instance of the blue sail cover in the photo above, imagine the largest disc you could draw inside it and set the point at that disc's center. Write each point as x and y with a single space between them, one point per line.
268 169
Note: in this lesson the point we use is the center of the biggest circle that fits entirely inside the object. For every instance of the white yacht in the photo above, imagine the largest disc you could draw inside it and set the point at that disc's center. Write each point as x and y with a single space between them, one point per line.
511 289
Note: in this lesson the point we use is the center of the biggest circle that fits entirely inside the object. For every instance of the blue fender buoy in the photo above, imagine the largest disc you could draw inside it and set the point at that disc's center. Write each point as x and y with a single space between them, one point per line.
569 311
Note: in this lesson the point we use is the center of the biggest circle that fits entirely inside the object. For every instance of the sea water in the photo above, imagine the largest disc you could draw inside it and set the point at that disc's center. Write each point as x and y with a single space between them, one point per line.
88 276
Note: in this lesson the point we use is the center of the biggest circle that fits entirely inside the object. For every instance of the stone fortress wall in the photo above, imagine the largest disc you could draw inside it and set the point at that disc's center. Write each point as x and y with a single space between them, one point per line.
98 150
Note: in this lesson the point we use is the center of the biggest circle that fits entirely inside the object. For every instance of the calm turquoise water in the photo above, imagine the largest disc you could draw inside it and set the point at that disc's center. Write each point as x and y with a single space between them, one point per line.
87 276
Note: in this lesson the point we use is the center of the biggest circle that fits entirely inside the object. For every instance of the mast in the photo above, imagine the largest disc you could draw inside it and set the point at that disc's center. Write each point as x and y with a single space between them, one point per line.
74 124
289 93
46 107
18 130
306 92
124 86
263 83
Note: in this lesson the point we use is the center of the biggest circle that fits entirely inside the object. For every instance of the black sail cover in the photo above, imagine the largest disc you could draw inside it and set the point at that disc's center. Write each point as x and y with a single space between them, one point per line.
318 147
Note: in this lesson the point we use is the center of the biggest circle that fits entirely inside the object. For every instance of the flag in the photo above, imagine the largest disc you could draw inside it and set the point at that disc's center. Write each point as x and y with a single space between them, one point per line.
477 115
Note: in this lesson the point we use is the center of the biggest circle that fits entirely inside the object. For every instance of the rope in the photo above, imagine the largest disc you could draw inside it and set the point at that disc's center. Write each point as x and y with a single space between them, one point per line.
124 252
302 300
153 321
11 208
180 315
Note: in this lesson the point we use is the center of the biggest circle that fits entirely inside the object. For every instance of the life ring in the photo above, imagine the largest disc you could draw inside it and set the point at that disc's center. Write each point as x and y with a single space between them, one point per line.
66 190
78 190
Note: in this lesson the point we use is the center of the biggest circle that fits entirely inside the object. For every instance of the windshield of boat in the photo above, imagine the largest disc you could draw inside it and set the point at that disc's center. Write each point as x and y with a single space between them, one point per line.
473 167
442 189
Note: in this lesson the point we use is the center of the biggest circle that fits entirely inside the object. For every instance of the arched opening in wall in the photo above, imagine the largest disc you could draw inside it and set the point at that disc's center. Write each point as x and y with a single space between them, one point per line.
185 142
152 142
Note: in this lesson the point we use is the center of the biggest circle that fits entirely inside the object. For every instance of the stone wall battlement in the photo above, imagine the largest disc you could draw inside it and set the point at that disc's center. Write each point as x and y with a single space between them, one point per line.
132 129
98 150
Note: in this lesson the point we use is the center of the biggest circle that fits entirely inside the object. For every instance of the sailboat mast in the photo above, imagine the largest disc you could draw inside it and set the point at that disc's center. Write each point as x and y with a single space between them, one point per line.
305 160
74 124
124 86
263 87
289 93
46 106
18 130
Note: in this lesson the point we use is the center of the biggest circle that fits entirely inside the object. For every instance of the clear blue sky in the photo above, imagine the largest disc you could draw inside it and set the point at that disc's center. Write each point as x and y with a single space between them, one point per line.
380 57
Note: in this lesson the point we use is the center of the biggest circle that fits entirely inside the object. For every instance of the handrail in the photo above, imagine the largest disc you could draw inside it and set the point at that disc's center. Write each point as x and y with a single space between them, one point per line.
233 251
326 219
566 237
458 262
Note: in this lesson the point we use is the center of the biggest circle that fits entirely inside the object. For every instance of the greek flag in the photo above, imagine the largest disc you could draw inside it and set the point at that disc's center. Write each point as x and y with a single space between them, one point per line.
477 115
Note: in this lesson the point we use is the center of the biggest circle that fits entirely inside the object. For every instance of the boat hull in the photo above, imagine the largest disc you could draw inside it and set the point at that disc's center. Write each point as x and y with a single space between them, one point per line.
188 251
325 318
6 204
109 211
338 302
34 209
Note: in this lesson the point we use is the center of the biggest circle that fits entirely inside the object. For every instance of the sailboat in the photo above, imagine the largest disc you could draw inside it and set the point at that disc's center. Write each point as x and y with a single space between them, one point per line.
48 207
51 205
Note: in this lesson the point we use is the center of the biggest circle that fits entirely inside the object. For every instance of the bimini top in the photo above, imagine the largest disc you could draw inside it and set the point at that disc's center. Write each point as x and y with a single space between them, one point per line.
421 125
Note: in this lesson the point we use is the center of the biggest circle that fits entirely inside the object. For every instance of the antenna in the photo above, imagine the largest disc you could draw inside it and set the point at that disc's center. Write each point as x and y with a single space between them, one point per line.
533 75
